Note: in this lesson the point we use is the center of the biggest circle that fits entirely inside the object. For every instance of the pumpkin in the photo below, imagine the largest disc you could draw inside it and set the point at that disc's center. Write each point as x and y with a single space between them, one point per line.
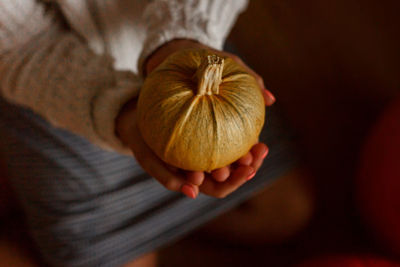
199 110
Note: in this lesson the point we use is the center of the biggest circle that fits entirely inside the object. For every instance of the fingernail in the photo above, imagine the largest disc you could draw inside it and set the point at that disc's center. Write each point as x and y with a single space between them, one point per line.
251 176
270 96
188 191
265 153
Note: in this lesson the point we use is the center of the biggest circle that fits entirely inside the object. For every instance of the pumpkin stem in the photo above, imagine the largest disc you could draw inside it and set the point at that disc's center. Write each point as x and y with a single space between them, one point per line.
209 75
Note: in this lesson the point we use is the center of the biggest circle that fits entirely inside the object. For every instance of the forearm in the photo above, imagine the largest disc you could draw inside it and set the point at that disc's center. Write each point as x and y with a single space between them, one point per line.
56 75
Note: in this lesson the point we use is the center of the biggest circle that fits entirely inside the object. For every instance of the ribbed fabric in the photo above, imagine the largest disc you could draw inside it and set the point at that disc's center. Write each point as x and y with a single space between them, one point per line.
89 207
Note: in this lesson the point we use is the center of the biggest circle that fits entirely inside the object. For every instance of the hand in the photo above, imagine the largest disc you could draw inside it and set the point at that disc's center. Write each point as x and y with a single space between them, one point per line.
256 155
219 183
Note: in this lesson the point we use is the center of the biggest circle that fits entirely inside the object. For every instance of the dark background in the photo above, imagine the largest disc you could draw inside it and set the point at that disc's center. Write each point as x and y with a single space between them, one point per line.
333 66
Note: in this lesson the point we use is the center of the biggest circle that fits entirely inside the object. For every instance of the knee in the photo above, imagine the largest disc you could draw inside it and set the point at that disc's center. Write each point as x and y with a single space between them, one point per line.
282 210
274 215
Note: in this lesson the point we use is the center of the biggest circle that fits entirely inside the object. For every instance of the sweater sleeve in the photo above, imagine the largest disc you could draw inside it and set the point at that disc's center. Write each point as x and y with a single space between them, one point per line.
206 21
52 71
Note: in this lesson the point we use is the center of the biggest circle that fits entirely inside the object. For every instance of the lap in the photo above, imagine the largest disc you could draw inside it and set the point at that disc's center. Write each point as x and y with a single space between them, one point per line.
90 207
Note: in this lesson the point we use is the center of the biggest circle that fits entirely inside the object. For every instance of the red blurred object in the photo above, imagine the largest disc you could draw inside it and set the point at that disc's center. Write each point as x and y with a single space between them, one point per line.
348 261
378 181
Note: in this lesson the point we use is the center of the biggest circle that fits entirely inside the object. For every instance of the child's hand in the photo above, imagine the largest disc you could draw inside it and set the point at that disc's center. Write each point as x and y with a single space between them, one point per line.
255 157
219 183
223 181
215 184
171 178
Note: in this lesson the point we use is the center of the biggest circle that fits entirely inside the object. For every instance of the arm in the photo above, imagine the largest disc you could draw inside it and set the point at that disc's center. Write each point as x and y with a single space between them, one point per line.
49 69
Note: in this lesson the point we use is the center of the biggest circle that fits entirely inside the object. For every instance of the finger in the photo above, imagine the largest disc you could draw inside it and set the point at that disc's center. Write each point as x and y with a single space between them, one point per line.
246 159
196 191
154 166
190 190
195 178
220 190
221 174
159 170
259 152
269 98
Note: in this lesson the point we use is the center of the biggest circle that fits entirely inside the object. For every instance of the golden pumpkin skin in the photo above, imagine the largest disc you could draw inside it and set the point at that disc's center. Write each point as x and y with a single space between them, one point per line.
199 132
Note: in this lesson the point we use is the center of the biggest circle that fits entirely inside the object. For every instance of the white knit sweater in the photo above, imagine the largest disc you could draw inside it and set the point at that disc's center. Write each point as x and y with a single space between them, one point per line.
75 62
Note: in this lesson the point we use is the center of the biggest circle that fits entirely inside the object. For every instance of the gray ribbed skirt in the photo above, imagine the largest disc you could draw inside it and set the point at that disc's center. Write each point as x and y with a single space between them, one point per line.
89 207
